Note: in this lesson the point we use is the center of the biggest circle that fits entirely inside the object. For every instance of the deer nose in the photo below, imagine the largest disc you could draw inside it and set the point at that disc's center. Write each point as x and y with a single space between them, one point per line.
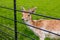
22 19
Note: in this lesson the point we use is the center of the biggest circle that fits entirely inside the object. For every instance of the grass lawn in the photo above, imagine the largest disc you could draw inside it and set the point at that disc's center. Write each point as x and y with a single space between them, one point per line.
45 7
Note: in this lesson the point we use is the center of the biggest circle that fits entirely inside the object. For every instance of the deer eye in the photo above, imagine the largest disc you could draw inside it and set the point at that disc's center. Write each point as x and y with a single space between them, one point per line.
28 15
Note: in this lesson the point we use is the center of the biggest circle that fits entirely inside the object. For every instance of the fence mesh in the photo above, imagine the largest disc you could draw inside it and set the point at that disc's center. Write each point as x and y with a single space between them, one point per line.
7 24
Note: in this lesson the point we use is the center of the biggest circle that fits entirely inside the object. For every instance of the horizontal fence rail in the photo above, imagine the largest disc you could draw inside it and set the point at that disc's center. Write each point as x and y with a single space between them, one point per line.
32 26
6 34
17 32
28 24
3 37
30 12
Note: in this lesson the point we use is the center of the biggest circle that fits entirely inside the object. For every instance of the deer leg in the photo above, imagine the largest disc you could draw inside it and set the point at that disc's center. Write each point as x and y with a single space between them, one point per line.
55 39
42 36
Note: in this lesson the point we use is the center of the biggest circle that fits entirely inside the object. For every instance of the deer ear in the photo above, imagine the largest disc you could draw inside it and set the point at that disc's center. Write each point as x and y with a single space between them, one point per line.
22 8
32 10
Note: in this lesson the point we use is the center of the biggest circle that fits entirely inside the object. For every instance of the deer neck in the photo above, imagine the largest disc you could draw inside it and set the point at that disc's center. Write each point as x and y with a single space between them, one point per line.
29 21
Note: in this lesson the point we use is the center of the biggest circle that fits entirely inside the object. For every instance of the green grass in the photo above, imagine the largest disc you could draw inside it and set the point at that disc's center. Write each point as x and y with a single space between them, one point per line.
46 7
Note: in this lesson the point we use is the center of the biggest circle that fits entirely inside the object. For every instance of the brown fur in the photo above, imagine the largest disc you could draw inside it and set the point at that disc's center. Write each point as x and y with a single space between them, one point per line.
50 25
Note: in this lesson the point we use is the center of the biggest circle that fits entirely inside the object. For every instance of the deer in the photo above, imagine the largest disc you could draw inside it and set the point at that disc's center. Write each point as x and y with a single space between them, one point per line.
50 25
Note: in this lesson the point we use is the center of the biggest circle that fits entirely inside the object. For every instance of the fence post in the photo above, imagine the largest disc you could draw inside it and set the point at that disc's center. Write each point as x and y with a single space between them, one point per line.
15 22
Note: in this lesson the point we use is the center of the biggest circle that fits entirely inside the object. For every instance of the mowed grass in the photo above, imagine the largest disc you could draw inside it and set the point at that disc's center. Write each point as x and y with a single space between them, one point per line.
45 7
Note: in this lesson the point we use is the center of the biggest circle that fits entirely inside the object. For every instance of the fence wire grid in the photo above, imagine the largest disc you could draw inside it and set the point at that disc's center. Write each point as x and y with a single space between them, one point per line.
15 21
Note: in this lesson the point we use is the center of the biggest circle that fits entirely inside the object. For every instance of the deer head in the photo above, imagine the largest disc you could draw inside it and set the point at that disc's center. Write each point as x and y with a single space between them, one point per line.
26 16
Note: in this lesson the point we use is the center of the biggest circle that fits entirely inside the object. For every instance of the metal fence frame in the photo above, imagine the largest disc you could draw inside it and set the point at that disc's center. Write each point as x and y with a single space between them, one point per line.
15 23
